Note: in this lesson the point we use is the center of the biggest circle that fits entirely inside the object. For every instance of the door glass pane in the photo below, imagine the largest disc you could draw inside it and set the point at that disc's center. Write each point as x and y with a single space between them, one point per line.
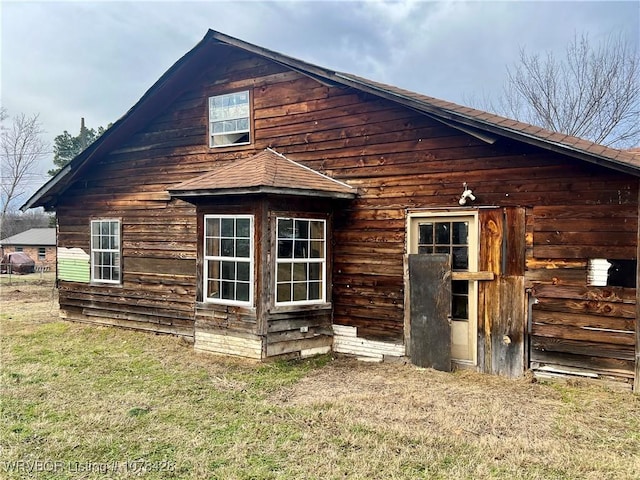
443 232
425 233
460 258
460 233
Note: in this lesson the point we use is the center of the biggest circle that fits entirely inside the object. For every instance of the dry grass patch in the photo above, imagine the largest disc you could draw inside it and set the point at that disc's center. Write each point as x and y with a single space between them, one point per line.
111 403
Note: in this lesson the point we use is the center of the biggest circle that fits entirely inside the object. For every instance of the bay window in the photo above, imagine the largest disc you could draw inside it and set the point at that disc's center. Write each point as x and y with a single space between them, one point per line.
228 259
300 261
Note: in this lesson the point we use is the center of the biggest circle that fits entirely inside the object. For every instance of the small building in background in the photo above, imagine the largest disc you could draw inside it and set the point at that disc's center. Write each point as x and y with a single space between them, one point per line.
38 243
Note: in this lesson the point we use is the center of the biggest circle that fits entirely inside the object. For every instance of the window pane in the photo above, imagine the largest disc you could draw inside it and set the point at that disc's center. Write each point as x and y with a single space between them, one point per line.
228 270
460 287
301 249
228 290
425 233
317 249
443 249
315 271
242 292
443 233
317 230
284 272
227 247
284 292
242 124
243 227
214 269
302 229
213 289
212 227
422 249
299 292
299 271
285 228
314 291
227 228
218 127
212 247
459 306
243 271
242 247
460 258
285 248
460 233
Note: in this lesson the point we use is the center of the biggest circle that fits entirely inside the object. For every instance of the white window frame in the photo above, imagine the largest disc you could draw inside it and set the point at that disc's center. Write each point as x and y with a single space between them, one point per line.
303 260
232 116
222 258
42 253
115 250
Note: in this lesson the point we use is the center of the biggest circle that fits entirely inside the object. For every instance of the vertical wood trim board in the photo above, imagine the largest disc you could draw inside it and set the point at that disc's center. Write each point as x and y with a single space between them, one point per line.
636 381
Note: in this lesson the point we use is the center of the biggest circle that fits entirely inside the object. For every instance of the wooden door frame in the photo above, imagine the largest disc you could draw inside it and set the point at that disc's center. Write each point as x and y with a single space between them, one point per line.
415 215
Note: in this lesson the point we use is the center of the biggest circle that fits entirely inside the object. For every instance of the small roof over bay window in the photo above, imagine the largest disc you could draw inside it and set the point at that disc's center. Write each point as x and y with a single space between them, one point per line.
265 172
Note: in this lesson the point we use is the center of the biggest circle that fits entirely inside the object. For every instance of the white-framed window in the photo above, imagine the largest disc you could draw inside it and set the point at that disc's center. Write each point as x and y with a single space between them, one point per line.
228 259
42 253
300 261
229 122
105 251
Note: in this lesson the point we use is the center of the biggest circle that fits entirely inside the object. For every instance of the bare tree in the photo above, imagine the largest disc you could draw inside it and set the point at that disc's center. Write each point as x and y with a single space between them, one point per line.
21 147
593 92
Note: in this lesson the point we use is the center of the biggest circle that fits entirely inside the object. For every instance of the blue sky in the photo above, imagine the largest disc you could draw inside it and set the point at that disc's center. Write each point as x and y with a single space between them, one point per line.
95 59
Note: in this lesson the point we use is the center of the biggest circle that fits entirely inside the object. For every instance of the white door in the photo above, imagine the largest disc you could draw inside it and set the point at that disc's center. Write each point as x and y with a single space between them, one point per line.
456 235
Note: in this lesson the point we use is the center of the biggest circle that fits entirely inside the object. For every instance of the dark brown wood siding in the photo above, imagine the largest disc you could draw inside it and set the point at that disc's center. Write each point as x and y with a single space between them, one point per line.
397 158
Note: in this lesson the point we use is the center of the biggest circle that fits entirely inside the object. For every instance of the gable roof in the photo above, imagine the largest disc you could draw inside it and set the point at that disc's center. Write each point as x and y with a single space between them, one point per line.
34 236
265 172
215 47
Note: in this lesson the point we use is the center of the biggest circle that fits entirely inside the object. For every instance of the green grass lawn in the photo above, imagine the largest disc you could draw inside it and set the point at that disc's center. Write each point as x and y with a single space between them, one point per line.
94 403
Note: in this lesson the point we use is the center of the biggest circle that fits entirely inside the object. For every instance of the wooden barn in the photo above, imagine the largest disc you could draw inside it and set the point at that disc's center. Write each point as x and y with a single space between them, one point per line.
265 207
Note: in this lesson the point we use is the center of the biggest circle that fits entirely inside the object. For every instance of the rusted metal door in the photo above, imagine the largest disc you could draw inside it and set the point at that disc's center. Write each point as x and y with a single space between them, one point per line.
430 304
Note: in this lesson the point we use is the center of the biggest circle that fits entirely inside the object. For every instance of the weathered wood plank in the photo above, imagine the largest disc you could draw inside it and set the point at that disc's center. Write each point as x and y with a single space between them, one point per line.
583 334
584 320
606 366
508 328
583 292
581 347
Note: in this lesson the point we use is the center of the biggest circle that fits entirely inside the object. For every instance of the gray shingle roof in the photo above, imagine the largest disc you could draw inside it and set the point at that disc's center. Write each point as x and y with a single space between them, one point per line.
35 236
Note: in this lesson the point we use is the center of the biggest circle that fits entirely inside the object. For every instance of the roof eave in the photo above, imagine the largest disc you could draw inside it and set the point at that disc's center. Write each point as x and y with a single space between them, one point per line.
507 132
299 192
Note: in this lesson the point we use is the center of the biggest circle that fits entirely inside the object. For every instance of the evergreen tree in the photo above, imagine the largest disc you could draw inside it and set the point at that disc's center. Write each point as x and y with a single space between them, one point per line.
66 146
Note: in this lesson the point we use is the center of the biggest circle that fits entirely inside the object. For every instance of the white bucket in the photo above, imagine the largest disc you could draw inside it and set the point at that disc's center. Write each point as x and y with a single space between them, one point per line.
598 272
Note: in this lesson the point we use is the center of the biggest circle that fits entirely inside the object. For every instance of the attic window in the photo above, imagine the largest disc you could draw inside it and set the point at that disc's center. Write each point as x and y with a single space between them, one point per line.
229 119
